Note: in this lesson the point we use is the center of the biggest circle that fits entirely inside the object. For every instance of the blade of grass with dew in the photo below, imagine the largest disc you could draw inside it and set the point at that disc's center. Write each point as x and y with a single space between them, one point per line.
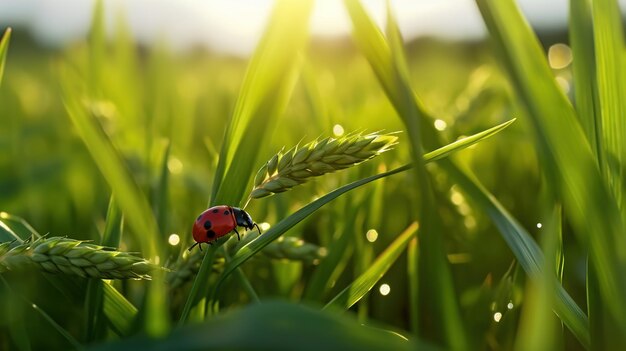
267 87
539 329
94 313
387 59
518 240
4 48
565 153
281 227
364 283
523 247
131 200
292 327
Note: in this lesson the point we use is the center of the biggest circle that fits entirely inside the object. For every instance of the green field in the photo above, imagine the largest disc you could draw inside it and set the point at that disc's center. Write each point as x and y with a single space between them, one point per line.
447 195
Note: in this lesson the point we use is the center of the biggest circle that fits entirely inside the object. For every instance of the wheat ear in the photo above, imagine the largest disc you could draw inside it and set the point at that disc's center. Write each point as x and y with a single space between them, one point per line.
288 169
73 257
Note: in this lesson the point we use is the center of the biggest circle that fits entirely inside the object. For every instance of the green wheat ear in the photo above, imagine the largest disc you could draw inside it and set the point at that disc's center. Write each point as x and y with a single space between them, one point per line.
286 170
73 257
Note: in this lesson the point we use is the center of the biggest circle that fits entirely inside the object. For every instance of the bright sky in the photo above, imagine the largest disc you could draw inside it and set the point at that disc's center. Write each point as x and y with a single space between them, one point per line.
234 26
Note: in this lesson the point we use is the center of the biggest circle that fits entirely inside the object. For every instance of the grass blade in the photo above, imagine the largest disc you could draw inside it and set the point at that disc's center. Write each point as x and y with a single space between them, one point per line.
4 48
566 154
366 281
95 292
291 327
131 200
387 58
524 248
584 70
269 80
611 85
119 311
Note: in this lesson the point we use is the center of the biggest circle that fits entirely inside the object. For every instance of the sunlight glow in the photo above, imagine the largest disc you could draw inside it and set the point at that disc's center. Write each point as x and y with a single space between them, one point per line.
174 239
497 317
338 130
174 165
264 226
371 235
539 225
559 56
384 289
510 305
440 124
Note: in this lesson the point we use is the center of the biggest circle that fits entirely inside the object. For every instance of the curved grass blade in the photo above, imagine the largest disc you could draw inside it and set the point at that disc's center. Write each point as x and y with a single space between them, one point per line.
524 248
130 198
274 326
364 283
119 311
281 227
4 46
565 153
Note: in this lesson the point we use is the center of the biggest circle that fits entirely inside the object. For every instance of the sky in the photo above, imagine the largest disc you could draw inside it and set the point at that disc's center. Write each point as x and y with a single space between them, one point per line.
234 26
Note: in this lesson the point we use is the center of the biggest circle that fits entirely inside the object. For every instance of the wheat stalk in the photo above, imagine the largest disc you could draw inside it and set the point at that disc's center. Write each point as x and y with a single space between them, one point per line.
290 248
286 170
73 257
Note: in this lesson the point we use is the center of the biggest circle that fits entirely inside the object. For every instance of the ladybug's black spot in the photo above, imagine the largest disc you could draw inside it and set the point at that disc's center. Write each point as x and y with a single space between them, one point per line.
227 212
207 224
210 234
215 210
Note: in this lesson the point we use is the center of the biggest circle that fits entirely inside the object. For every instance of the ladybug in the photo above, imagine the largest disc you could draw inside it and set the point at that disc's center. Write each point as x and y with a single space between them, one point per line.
218 221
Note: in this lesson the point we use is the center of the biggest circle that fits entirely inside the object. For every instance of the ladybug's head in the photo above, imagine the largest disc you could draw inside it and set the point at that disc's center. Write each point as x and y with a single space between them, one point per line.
244 220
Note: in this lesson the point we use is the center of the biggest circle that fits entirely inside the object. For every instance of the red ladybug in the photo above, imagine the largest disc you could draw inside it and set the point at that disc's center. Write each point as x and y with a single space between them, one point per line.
218 221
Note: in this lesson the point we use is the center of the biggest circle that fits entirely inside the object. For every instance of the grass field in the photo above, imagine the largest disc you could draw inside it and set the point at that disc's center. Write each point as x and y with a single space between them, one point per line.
464 196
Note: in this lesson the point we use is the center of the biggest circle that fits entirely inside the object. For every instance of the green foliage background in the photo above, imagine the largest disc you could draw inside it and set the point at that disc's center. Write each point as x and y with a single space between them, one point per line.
125 145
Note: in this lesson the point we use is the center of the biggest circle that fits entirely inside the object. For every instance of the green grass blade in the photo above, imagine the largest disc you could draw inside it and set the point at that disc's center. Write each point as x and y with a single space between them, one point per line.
387 59
266 89
130 198
539 328
611 84
523 247
132 202
366 281
274 326
119 311
281 227
413 279
566 154
335 261
4 48
95 293
13 227
75 344
584 70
